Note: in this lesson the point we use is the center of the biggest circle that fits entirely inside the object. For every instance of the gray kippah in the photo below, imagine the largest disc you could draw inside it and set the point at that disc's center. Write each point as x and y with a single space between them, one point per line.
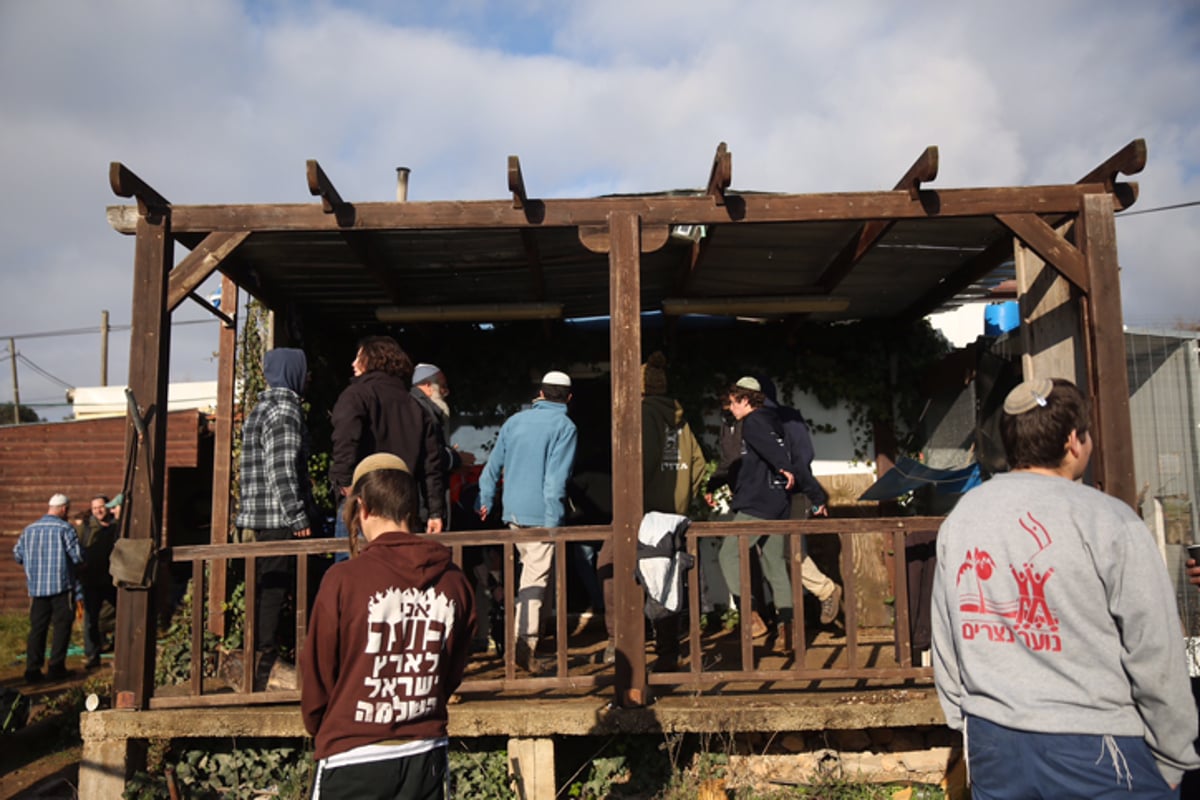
1028 395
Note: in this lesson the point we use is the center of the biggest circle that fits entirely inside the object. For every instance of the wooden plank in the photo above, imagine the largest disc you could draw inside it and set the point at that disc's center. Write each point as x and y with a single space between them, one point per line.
223 455
1097 238
651 209
150 348
195 268
720 175
625 346
124 183
1050 323
1050 246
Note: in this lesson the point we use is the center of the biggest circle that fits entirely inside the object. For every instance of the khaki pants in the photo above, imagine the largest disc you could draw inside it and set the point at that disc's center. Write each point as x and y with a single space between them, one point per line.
537 564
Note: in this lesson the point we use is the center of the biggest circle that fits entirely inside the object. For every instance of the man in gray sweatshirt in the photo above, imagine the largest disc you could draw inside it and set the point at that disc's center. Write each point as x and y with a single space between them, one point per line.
1057 647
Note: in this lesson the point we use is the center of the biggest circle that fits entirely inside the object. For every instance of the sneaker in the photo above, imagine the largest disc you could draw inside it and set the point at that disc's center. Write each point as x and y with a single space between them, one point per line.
526 660
581 624
831 605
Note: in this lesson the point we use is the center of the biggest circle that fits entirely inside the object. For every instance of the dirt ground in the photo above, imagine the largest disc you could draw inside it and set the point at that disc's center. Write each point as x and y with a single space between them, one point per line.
42 759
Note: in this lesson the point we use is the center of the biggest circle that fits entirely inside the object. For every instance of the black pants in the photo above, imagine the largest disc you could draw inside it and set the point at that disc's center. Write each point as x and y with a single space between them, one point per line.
275 577
418 777
93 604
43 611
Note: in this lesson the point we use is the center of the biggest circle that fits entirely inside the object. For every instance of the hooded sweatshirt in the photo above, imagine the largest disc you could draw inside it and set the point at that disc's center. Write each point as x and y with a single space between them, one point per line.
673 463
760 490
276 491
388 641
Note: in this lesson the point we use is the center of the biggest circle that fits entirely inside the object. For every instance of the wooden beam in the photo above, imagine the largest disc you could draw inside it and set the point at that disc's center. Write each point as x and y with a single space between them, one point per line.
1050 246
205 259
125 183
720 176
924 169
1097 237
222 455
149 359
331 201
625 348
516 183
1129 160
653 210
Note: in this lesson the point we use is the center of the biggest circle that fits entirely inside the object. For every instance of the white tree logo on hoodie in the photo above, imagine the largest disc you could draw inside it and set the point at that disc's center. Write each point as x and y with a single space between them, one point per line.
406 632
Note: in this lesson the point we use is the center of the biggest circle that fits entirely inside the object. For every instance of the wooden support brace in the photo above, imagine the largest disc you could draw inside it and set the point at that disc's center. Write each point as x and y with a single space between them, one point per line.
923 170
1050 246
721 174
195 268
516 183
125 183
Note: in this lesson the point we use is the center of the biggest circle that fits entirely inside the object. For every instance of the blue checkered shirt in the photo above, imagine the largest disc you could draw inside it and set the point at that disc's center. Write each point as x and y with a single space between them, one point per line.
276 492
49 549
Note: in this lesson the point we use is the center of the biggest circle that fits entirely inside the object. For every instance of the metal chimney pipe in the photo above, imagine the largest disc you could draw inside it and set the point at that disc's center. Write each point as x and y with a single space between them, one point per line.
402 184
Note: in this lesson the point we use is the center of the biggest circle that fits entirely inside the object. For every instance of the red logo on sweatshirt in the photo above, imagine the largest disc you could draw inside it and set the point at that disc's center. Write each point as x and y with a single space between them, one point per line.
989 609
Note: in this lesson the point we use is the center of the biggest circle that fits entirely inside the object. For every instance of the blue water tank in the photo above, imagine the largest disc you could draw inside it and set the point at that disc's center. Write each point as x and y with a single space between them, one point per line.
1001 318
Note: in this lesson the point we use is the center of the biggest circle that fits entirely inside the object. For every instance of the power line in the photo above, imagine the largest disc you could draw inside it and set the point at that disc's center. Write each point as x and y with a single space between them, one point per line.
1160 208
42 372
93 329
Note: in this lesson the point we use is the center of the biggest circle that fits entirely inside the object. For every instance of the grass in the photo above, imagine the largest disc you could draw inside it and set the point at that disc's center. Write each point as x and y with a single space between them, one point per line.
14 630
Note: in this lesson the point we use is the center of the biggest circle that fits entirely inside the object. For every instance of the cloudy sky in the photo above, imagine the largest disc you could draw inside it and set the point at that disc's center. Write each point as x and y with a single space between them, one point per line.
224 100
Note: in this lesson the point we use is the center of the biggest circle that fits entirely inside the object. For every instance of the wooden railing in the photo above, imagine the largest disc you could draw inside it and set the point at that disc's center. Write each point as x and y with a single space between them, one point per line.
845 661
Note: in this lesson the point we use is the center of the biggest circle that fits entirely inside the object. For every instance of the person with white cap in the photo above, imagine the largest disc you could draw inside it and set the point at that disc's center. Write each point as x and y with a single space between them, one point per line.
534 452
1057 645
50 552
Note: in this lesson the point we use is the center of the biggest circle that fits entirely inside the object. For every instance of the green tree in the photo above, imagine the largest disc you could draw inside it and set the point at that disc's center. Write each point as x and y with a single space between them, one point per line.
27 414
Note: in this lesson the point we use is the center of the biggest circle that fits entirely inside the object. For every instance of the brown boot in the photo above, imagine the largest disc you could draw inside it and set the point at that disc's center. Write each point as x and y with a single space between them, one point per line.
782 639
758 628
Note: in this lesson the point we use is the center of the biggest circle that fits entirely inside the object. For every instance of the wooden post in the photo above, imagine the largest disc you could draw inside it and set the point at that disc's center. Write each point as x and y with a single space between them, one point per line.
150 348
1112 460
12 351
625 346
1050 322
104 348
223 453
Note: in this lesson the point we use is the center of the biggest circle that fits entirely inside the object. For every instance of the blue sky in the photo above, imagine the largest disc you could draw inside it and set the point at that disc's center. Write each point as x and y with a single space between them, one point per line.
223 101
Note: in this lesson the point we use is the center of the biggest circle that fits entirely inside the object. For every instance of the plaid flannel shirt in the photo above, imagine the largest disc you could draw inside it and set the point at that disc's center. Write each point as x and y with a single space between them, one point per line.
49 550
276 492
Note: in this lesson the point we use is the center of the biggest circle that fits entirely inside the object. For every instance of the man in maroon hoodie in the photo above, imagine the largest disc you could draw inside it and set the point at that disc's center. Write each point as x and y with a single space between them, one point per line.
387 645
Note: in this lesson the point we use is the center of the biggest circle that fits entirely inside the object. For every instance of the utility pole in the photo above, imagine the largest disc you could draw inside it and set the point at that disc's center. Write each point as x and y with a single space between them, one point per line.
12 349
104 348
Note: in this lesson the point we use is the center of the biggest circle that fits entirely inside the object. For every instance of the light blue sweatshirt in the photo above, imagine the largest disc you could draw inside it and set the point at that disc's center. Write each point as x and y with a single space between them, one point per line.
534 453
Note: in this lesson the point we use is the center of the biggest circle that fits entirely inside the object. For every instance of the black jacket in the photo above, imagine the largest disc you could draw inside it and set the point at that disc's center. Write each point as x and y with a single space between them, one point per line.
759 489
376 414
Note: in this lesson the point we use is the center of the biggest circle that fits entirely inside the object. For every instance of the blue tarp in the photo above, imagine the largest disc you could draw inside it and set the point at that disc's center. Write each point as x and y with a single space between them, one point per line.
908 475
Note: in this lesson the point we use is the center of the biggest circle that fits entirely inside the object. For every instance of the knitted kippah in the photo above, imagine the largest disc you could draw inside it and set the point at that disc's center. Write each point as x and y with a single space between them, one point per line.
378 461
1028 395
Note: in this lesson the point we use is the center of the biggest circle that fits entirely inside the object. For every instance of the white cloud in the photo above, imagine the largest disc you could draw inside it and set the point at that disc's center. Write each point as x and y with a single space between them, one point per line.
224 101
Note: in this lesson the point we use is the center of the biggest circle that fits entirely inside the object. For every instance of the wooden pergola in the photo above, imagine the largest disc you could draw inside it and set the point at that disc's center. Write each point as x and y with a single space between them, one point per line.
892 254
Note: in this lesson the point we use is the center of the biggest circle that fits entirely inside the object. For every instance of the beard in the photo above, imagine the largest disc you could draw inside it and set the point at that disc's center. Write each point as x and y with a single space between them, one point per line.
439 400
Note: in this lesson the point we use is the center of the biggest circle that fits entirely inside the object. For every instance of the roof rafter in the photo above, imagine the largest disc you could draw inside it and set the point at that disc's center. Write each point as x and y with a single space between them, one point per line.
125 183
1129 160
923 170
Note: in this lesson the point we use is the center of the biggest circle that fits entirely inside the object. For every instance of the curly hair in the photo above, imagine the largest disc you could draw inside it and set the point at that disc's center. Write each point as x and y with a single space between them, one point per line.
384 354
